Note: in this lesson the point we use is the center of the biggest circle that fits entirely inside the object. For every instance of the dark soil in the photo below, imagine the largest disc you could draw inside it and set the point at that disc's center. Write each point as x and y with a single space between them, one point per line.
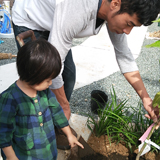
95 157
113 156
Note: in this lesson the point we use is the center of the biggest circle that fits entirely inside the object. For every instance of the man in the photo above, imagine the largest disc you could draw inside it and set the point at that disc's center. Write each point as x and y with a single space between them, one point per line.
67 19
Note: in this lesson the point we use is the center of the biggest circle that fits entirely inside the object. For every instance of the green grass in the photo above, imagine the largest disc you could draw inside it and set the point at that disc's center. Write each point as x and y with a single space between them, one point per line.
119 126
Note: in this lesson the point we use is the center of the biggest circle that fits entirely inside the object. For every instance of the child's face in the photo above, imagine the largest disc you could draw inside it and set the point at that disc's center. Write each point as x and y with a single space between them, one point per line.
43 85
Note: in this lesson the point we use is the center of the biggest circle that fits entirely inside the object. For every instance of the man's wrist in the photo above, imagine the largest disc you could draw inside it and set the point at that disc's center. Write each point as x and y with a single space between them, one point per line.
147 101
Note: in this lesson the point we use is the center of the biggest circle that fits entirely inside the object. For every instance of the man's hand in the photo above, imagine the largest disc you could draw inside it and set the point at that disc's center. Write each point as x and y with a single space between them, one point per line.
153 113
61 97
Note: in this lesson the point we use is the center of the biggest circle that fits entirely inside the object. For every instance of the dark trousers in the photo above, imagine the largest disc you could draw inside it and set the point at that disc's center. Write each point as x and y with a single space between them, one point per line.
69 72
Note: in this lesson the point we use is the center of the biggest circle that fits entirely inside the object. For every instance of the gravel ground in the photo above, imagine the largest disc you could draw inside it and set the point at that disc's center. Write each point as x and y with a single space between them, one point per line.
148 63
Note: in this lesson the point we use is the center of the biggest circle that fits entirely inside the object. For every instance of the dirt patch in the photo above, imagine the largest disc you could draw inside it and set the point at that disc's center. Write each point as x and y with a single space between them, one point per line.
155 34
115 151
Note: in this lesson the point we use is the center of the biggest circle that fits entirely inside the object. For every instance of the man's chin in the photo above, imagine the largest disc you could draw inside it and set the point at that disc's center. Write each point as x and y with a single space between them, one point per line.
114 31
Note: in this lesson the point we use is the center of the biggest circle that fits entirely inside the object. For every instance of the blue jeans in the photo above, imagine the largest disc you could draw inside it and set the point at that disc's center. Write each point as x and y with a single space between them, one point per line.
69 72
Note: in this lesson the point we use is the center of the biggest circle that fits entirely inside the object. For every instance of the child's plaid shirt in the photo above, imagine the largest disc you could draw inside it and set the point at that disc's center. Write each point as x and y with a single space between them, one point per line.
27 124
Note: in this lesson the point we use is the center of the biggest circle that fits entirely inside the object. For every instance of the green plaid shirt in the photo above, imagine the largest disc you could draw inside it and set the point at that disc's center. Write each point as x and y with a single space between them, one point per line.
28 123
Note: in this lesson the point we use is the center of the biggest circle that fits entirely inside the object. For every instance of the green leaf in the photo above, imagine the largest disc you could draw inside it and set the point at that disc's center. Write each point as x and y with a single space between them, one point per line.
158 20
155 44
156 100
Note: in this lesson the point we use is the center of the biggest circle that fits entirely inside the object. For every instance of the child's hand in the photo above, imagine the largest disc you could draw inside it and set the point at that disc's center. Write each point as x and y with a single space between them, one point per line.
13 158
71 138
73 141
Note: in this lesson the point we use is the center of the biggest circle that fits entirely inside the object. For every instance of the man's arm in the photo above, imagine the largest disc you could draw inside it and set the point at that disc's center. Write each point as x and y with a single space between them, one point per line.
135 80
61 97
9 152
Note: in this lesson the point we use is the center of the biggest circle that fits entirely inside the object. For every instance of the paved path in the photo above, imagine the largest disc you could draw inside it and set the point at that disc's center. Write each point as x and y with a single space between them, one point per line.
94 56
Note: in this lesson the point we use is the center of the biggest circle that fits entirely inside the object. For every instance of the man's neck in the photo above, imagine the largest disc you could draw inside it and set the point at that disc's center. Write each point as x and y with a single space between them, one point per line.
102 13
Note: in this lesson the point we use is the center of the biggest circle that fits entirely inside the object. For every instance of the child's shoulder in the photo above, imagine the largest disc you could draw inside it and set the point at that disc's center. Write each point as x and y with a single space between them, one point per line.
9 91
48 92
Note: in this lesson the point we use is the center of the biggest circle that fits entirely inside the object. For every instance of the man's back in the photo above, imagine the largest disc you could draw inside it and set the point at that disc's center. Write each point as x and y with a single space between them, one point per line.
34 14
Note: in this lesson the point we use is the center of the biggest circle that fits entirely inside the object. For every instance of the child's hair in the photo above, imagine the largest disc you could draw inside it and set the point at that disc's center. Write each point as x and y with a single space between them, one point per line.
38 60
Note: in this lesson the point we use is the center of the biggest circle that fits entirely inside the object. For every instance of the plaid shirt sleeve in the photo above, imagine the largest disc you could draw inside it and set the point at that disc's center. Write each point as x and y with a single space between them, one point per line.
58 116
7 119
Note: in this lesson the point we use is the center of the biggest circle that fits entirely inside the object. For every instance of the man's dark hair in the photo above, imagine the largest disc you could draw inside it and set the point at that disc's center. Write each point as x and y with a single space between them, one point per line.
38 60
146 10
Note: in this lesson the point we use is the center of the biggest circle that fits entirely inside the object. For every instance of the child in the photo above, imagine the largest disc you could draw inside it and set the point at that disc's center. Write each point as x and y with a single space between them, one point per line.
28 108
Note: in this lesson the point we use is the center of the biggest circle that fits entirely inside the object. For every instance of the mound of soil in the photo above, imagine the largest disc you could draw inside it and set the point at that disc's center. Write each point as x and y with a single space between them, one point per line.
119 151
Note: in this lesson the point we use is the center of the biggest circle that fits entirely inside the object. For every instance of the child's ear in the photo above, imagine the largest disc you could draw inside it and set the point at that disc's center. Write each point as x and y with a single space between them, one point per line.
115 5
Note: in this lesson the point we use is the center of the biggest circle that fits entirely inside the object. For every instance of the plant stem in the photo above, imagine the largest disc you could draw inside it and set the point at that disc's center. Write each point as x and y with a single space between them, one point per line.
150 134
